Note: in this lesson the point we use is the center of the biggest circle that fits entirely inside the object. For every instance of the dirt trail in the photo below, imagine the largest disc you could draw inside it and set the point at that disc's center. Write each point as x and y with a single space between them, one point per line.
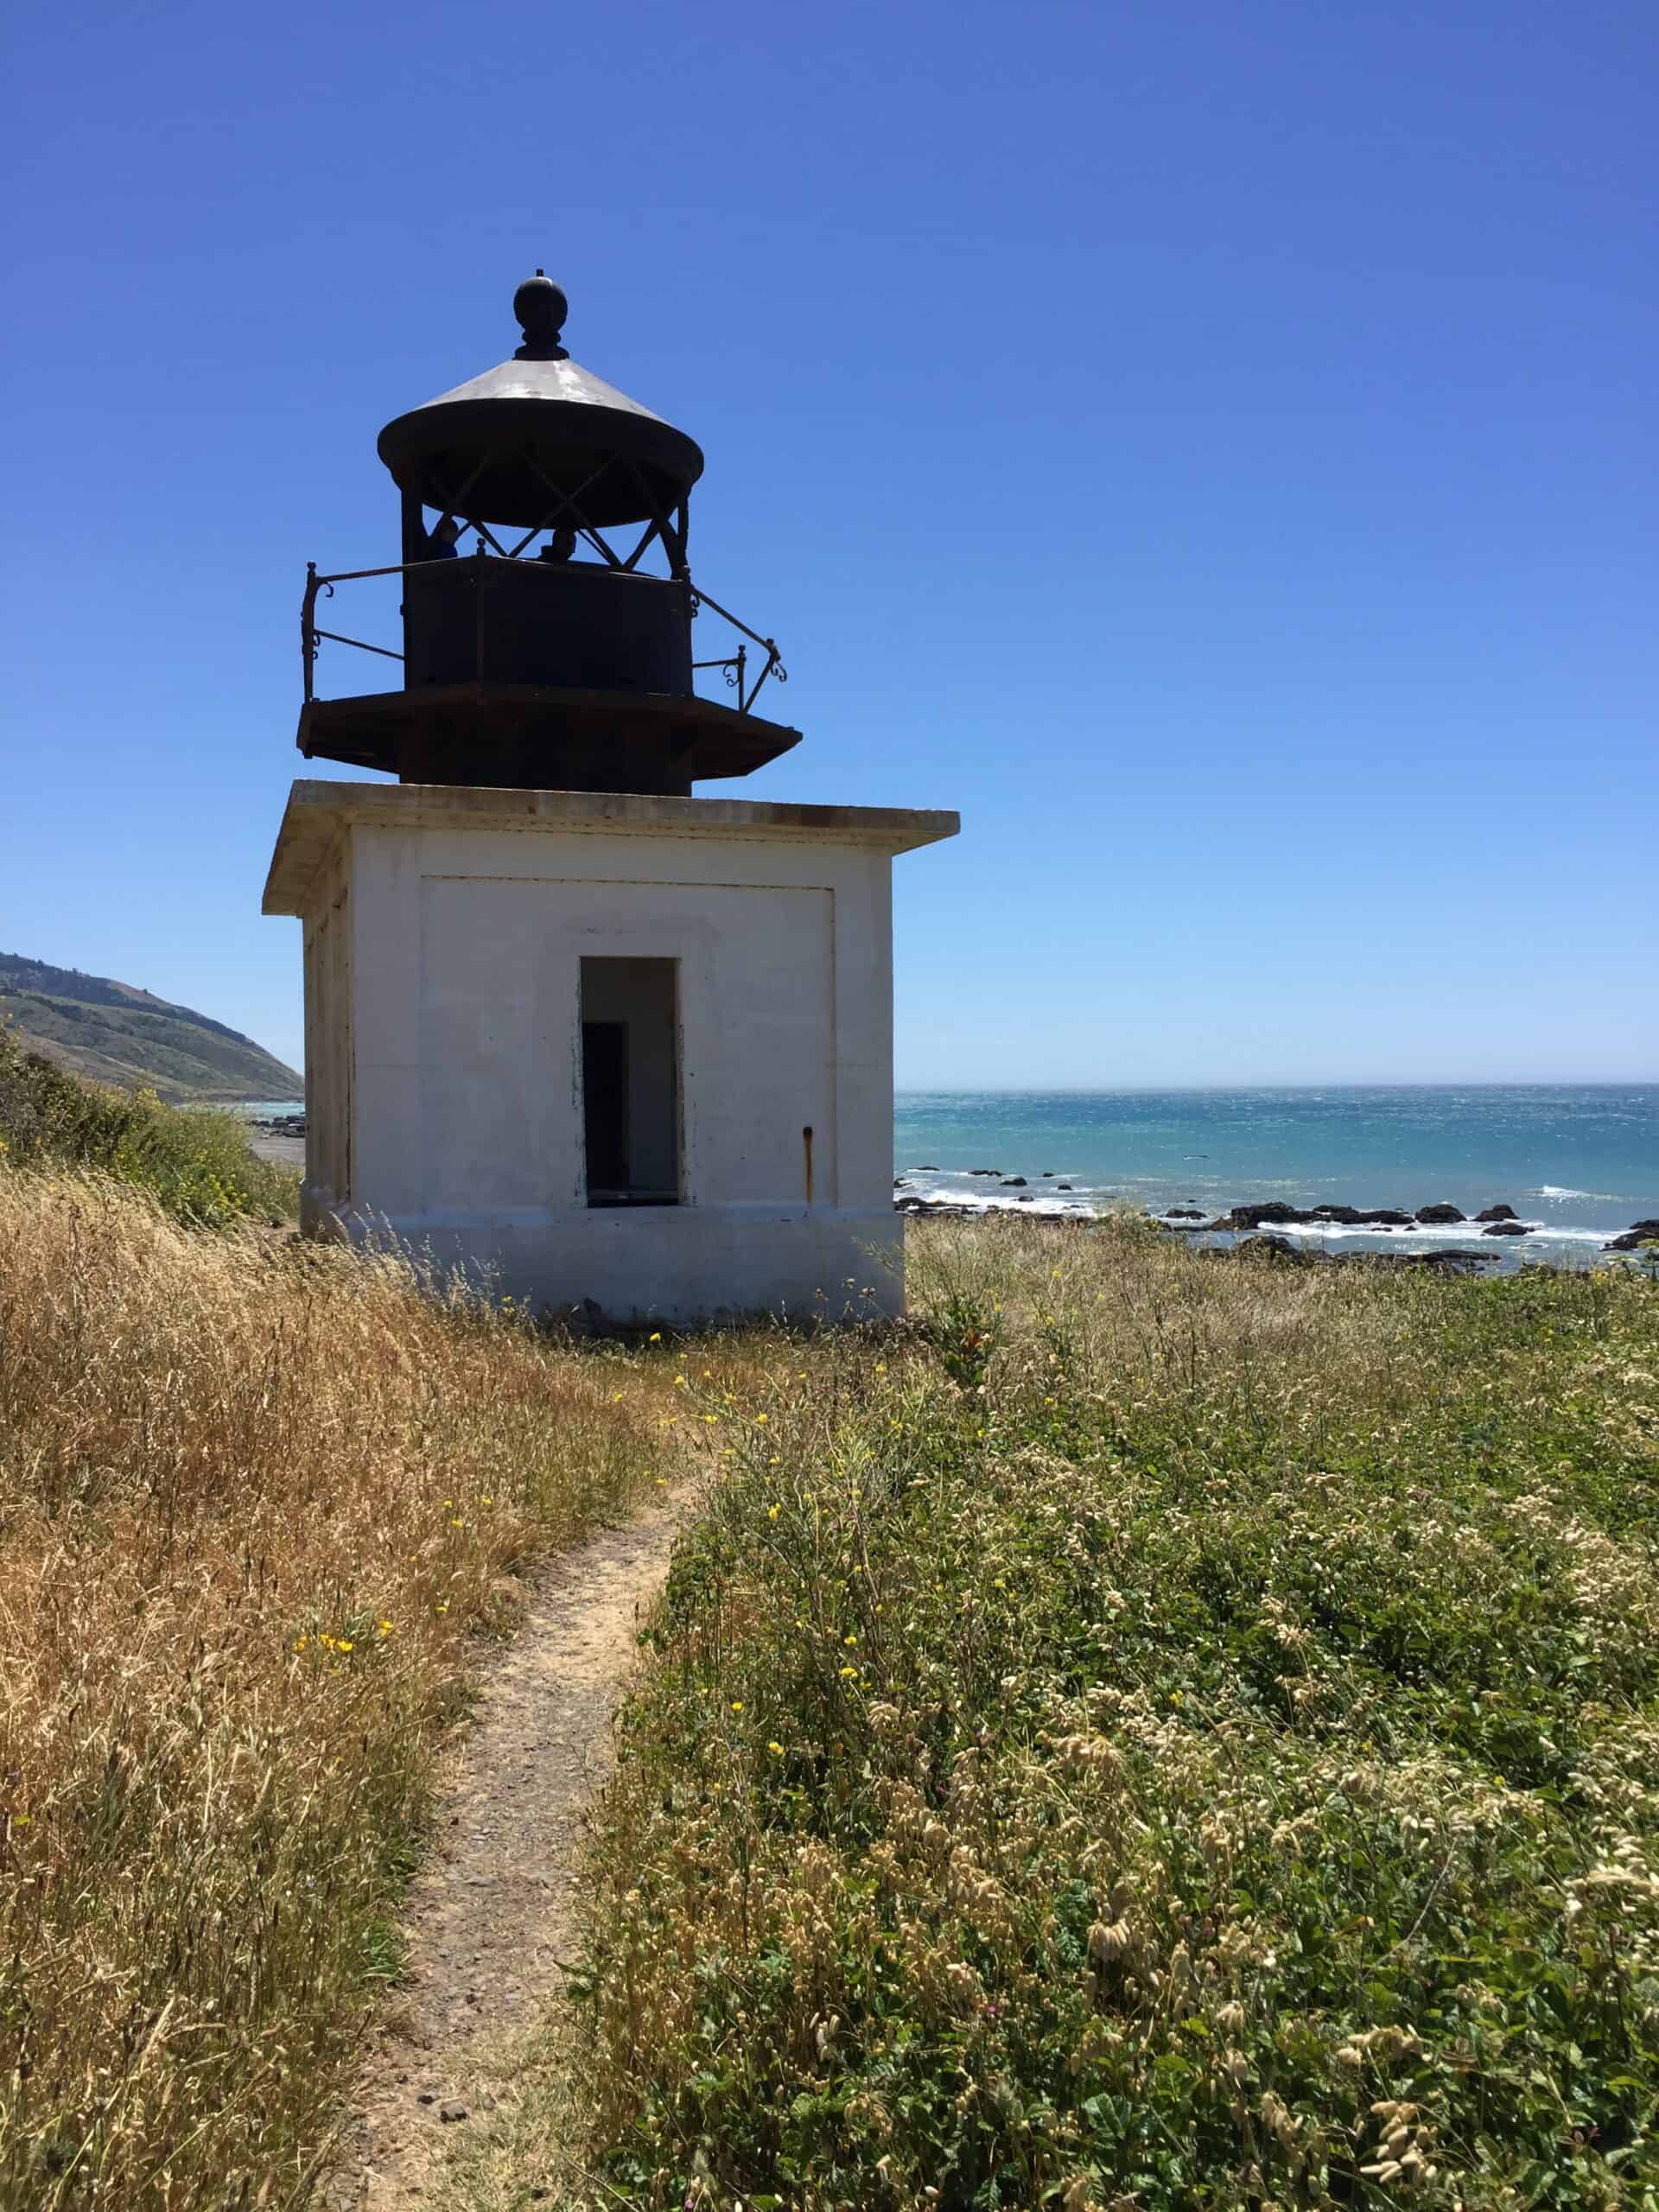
492 1913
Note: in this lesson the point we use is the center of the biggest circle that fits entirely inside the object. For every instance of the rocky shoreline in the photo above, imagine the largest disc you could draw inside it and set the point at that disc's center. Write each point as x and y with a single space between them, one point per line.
1493 1221
280 1137
1499 1220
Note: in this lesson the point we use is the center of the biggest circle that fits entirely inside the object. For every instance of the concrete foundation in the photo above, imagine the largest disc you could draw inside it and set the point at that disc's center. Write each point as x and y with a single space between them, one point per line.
632 1049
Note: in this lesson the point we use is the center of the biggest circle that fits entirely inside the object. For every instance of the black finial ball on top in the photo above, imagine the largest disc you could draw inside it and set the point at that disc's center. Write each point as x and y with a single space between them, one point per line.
541 308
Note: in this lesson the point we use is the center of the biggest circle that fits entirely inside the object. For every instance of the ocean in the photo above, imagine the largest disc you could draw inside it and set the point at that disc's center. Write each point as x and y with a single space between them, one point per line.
1579 1162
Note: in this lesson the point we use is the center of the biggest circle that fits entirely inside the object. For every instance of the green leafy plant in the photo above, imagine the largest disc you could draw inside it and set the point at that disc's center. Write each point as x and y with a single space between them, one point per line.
965 1329
195 1160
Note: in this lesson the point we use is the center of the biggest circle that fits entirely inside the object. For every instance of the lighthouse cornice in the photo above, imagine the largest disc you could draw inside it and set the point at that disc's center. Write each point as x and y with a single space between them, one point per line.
321 815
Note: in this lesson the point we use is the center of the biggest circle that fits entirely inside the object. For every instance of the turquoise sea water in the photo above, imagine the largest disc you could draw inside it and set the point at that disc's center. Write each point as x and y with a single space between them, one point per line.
1580 1162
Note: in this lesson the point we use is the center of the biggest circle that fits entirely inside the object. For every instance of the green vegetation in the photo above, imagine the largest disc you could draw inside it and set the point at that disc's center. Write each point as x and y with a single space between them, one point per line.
195 1160
110 1032
1163 1732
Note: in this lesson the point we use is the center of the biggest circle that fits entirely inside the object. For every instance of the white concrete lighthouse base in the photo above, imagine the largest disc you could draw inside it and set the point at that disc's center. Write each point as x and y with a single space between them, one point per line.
681 1264
588 1047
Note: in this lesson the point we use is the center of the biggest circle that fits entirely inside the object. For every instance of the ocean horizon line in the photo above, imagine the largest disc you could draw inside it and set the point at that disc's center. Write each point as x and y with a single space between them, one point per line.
1222 1089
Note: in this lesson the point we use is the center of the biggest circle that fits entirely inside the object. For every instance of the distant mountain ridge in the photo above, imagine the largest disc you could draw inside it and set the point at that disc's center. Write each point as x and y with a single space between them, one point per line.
115 1033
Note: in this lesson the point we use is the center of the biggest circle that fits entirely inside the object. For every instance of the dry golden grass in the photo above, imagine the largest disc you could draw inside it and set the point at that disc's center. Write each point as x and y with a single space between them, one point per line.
254 1498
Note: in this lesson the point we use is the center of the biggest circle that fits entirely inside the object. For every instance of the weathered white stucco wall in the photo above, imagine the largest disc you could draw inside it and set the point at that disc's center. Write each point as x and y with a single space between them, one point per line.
445 933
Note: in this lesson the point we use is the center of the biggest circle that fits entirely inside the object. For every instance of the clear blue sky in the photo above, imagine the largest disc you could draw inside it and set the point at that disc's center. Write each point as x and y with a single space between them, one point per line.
1212 443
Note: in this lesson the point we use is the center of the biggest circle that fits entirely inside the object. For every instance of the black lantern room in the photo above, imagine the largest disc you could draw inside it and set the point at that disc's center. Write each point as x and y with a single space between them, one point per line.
548 606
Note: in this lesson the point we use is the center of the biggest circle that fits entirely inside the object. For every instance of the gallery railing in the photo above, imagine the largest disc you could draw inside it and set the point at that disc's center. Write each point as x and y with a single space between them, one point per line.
735 665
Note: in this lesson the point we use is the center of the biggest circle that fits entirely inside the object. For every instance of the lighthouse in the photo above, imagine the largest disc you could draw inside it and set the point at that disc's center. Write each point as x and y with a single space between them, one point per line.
592 1039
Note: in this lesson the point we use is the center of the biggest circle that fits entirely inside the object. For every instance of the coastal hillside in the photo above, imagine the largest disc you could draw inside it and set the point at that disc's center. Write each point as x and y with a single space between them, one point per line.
114 1032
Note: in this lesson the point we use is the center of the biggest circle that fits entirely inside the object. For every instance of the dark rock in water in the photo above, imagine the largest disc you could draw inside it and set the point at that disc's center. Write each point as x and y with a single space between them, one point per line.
1183 1213
1024 1200
1496 1213
899 1182
1061 1186
1439 1213
1506 1228
1274 1212
1639 1234
984 1171
1013 1182
1048 1174
910 1204
927 1168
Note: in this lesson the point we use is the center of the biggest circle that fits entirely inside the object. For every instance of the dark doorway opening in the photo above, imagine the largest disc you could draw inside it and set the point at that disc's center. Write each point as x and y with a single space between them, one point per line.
630 1082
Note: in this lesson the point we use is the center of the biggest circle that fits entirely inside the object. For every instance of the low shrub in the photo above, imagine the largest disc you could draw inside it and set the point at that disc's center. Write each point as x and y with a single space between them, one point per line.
195 1159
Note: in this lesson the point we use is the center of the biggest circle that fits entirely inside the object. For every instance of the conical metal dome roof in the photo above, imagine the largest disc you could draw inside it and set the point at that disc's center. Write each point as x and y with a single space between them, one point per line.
504 446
